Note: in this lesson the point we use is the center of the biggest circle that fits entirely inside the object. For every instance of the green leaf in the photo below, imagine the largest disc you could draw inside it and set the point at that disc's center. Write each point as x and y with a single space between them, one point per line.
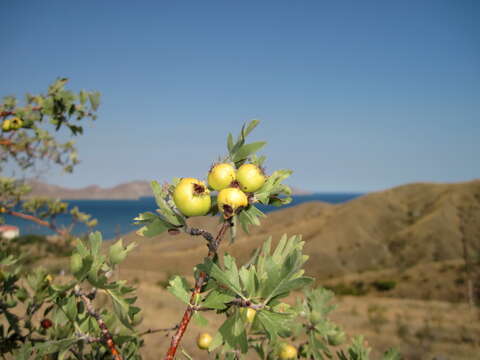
95 242
165 209
233 332
156 227
273 323
252 125
199 319
248 149
117 252
83 95
226 278
94 100
87 262
217 300
50 347
179 287
120 307
71 308
230 142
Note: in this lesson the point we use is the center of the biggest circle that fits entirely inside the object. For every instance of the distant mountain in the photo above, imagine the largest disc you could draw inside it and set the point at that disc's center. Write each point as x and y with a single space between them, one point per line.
130 190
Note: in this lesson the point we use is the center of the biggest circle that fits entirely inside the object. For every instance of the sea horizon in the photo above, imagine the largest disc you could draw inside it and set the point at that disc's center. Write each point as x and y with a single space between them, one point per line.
115 216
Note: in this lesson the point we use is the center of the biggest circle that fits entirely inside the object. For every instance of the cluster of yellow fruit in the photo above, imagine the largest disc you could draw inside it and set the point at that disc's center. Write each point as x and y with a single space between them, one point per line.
12 124
192 196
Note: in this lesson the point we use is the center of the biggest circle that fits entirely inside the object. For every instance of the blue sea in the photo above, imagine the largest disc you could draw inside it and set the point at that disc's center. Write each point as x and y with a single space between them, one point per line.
115 217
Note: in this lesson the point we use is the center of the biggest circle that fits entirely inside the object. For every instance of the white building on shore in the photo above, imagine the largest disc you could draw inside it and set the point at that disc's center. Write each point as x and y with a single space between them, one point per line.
9 232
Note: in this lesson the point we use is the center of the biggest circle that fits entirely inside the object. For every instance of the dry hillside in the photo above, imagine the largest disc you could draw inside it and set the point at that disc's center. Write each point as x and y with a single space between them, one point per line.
398 228
411 236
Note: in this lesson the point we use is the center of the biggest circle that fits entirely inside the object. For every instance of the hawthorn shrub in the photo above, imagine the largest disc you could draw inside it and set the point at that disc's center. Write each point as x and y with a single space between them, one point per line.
62 318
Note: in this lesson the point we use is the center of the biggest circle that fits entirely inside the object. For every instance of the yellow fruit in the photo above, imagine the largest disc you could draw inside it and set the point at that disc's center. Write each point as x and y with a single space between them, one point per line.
230 200
192 197
221 176
204 340
250 177
16 123
6 125
287 352
250 315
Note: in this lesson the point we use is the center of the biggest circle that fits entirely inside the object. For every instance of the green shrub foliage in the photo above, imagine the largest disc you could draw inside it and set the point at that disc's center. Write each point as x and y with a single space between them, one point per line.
46 317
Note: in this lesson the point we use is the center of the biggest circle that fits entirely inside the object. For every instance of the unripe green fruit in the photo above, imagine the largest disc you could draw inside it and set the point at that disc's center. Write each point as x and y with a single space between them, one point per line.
76 263
230 200
192 197
204 340
221 176
287 352
250 177
336 338
315 317
137 318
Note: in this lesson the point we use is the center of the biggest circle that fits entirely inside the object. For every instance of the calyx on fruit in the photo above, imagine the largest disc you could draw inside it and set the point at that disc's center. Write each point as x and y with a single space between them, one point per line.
250 177
192 197
204 340
16 123
230 200
221 176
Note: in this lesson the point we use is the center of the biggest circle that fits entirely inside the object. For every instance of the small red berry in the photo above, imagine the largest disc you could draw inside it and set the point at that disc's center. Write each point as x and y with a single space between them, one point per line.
46 323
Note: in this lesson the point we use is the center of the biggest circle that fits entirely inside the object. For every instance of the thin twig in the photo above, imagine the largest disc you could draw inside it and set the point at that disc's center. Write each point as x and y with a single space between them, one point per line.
199 232
101 323
187 316
246 303
50 225
8 113
153 331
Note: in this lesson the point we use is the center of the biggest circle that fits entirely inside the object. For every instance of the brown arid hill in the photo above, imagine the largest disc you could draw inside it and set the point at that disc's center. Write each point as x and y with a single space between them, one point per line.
129 190
397 228
412 236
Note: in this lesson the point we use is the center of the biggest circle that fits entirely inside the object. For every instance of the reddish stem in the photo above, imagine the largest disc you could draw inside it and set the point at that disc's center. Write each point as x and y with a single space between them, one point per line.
187 316
101 324
8 113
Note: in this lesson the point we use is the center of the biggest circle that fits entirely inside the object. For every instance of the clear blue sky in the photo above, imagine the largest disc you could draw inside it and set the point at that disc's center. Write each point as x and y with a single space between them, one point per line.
353 95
